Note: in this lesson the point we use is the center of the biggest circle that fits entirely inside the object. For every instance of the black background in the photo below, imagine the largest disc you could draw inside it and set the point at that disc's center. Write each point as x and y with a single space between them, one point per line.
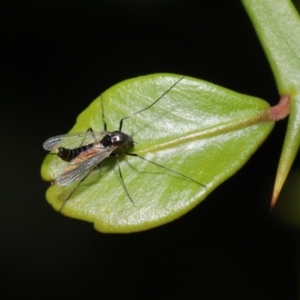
56 57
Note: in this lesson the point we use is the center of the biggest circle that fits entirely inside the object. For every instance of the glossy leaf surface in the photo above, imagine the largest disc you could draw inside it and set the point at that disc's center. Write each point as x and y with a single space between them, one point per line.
198 129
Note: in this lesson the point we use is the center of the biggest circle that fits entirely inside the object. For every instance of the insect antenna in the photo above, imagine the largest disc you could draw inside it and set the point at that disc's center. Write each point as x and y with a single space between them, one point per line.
121 121
170 170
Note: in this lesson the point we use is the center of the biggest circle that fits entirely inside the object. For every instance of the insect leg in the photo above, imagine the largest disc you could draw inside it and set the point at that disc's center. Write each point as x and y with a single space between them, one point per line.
103 119
69 196
156 164
121 121
116 155
90 130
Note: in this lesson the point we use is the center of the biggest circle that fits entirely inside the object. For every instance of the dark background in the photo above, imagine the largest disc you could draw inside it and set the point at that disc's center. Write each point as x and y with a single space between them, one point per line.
56 57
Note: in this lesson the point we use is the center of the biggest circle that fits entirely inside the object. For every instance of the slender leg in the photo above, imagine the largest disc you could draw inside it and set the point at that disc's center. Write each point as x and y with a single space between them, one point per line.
103 118
90 130
156 164
69 196
122 178
121 121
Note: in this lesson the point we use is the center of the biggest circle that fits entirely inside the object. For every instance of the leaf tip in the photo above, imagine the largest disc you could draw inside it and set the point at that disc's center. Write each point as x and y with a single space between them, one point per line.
280 180
274 198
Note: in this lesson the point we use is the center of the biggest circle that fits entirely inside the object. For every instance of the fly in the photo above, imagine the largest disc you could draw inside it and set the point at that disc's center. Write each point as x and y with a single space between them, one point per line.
94 148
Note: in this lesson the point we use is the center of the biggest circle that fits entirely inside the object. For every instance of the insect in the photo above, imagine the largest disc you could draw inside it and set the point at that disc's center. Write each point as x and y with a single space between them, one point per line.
94 148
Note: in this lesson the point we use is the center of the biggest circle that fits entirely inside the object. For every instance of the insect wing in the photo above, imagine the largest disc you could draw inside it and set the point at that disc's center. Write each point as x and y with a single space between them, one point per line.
83 164
73 140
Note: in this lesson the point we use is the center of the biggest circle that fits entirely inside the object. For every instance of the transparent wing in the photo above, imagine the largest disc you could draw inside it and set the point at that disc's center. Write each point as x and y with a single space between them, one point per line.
73 140
83 164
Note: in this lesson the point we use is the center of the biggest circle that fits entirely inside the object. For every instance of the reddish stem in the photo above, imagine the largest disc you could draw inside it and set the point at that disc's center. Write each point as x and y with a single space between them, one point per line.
281 110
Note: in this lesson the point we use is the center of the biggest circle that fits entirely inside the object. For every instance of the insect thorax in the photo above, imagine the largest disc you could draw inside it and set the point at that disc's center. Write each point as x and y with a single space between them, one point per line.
117 138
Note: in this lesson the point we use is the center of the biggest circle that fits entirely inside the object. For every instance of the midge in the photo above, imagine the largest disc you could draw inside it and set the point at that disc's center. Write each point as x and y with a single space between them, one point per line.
93 148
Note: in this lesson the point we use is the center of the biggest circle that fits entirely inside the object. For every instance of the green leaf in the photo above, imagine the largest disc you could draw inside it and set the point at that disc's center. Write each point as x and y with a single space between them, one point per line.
198 129
277 24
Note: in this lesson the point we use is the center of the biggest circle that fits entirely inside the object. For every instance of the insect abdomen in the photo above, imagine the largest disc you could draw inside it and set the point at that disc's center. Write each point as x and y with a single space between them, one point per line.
69 154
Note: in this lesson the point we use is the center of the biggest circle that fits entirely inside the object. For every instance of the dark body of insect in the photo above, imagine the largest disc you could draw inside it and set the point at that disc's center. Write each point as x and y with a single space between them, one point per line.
112 142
